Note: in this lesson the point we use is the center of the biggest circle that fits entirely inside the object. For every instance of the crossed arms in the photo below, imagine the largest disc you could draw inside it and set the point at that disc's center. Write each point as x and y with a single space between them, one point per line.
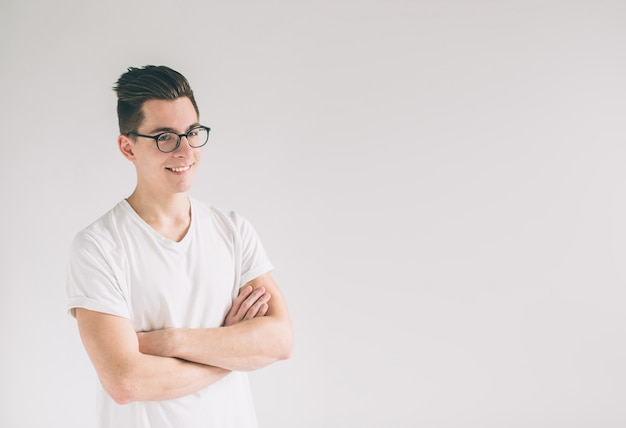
171 363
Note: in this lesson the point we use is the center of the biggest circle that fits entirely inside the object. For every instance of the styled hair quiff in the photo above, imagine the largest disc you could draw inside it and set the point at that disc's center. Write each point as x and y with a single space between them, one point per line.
151 82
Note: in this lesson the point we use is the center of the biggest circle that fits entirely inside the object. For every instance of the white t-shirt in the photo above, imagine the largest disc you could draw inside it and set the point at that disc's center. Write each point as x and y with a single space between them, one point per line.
119 265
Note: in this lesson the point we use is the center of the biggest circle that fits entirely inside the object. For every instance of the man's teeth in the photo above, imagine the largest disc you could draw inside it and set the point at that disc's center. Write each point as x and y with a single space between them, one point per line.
181 169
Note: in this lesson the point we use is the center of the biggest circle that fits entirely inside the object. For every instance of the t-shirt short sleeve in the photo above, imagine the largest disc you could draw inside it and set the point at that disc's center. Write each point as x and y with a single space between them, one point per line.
254 259
93 279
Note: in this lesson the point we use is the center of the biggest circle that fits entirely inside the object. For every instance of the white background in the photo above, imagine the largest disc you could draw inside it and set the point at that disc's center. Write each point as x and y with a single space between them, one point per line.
441 185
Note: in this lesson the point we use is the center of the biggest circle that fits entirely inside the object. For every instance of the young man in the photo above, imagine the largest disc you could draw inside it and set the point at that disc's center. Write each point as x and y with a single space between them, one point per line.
173 298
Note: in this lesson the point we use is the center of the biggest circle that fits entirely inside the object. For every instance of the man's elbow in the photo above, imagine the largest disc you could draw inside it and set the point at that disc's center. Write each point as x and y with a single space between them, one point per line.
278 348
120 390
285 348
285 354
121 399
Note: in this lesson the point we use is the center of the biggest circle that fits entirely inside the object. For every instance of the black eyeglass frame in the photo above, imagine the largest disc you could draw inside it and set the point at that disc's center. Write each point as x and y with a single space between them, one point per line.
180 136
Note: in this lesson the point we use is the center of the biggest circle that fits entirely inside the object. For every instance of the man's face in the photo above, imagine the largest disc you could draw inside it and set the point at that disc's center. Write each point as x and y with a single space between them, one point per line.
164 174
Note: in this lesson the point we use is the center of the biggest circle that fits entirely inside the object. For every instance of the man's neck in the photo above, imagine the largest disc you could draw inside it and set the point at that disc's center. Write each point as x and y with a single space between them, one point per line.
169 215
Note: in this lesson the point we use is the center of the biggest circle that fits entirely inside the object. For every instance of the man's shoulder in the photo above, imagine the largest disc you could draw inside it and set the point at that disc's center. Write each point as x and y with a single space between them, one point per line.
205 211
108 223
228 221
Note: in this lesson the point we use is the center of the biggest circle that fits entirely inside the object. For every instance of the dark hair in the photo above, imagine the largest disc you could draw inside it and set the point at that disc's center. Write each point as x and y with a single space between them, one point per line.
151 82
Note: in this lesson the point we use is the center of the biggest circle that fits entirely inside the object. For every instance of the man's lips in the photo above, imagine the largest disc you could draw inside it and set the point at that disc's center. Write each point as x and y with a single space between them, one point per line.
179 168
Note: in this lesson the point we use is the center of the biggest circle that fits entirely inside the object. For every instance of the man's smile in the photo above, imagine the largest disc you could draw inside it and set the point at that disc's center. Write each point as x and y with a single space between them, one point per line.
179 169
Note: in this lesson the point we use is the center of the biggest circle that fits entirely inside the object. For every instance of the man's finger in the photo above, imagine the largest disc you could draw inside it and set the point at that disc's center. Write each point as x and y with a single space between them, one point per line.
255 309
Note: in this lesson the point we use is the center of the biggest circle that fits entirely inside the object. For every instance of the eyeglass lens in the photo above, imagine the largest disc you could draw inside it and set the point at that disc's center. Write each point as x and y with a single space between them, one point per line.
168 141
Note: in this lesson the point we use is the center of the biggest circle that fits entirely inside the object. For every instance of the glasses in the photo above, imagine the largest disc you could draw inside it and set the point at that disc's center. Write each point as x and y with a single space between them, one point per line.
168 142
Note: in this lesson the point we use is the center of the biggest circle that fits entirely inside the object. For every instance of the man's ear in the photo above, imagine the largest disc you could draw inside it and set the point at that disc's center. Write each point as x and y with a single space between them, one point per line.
127 147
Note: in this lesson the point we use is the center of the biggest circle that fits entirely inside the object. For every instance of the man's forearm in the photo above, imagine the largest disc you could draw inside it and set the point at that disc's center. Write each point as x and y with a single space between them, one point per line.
152 378
245 346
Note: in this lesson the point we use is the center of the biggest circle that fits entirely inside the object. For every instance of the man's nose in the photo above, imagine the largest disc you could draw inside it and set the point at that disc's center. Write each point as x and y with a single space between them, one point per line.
183 148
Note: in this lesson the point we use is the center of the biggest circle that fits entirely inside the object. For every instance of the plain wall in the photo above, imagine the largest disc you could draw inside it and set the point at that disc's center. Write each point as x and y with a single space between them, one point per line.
440 184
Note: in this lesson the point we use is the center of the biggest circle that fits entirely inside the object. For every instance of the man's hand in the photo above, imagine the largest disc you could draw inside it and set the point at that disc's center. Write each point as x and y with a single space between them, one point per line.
249 304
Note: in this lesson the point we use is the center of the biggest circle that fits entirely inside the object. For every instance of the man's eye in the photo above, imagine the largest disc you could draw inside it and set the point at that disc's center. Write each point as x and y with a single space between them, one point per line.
166 137
193 133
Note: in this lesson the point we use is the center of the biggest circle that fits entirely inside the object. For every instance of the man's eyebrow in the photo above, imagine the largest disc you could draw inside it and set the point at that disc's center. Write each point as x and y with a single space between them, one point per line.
166 129
159 130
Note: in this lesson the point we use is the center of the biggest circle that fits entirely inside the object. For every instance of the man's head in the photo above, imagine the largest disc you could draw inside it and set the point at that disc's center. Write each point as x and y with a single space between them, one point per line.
139 85
156 104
